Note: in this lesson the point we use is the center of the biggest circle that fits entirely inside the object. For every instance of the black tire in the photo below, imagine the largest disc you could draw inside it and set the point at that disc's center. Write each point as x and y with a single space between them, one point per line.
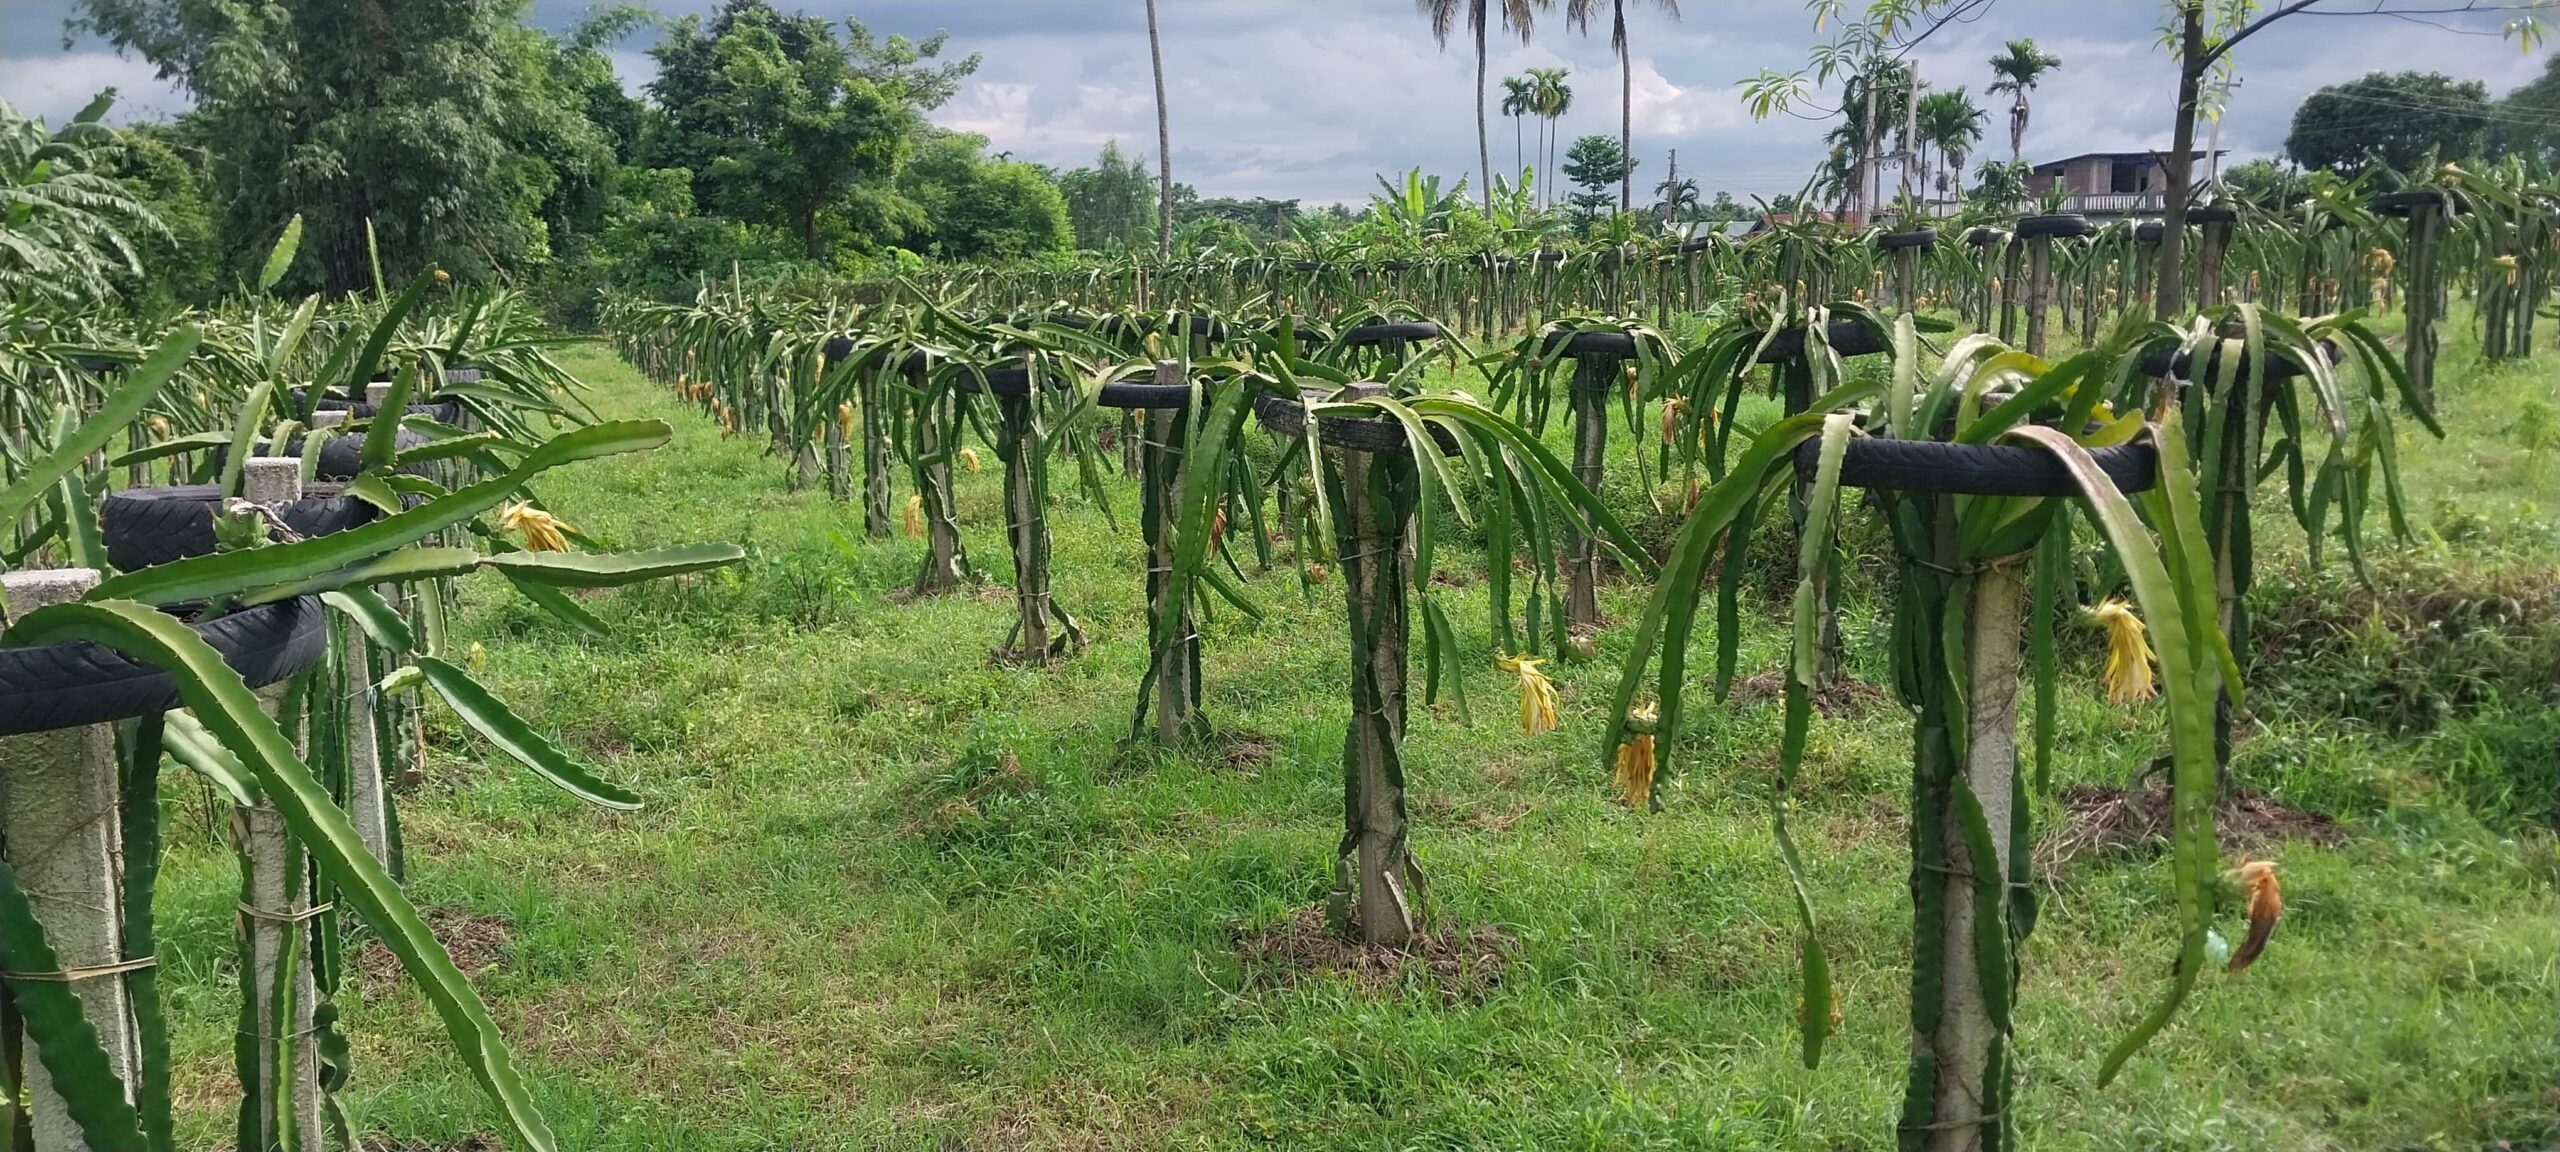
1976 469
1549 256
1696 244
1288 421
57 686
147 526
2058 226
1012 381
1921 238
837 348
1983 237
342 457
2150 231
2408 200
1593 345
2167 360
1394 266
1309 265
1141 394
1846 337
1206 327
440 411
2212 214
1400 332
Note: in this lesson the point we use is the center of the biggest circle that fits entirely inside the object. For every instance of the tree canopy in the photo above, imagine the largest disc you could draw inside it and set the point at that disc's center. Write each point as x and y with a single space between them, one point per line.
2398 120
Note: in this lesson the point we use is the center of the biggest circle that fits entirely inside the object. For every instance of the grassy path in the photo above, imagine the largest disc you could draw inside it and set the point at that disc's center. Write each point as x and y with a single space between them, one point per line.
887 895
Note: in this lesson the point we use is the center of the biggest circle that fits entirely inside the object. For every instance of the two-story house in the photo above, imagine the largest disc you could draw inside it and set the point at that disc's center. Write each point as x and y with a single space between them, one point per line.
2106 183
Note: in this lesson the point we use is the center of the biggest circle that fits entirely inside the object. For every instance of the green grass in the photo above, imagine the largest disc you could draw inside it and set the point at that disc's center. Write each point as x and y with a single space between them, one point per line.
889 895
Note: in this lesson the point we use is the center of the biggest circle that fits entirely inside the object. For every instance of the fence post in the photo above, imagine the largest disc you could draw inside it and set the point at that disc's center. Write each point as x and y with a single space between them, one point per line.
60 823
276 915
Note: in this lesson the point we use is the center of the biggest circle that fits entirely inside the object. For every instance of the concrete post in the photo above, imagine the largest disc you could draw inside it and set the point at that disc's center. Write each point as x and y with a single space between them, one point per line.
60 820
275 919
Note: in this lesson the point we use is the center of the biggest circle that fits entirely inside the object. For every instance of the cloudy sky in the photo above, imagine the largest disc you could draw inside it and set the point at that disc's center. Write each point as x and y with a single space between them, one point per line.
1310 98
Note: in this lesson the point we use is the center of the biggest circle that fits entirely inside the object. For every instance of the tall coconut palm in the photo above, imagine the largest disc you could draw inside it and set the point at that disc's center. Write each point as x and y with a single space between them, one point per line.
1950 123
1554 99
1516 18
1164 143
1579 13
1519 101
2016 71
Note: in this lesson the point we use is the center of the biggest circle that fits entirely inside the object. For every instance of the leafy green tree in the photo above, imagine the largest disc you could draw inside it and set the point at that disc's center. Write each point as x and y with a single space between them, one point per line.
2264 183
909 70
1595 161
977 208
2527 120
1110 205
441 125
163 167
774 121
2394 119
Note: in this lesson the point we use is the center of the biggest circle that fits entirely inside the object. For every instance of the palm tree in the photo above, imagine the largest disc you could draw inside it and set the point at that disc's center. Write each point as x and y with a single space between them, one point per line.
1679 194
1579 13
1164 144
1951 123
1519 100
1554 99
1516 17
2016 71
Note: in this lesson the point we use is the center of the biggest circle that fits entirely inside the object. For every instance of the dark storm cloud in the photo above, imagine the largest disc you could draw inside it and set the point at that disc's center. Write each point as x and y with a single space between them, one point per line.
1312 98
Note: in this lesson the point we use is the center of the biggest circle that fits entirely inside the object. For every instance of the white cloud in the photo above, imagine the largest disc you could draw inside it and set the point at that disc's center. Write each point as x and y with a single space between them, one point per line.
58 87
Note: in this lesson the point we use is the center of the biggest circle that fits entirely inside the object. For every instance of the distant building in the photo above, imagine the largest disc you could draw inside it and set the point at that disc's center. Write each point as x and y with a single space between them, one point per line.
2106 183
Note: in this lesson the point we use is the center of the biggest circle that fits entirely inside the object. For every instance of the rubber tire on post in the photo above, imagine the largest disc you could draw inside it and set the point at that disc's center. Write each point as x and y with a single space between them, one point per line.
1984 237
2150 231
2213 214
1921 238
1367 335
1305 335
1186 324
1289 421
343 456
1142 394
440 411
836 348
1309 265
1548 256
1591 345
55 686
1696 244
1844 337
2058 226
1976 469
2167 360
147 526
2408 200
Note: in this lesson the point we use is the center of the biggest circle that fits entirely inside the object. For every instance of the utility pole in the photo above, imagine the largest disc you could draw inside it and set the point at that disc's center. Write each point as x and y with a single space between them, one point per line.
1671 191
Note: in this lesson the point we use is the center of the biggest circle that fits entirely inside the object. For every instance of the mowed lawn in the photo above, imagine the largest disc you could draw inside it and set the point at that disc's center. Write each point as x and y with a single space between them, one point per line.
889 894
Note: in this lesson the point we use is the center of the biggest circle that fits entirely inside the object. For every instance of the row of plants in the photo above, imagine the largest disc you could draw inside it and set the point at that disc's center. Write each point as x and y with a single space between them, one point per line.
272 619
1986 461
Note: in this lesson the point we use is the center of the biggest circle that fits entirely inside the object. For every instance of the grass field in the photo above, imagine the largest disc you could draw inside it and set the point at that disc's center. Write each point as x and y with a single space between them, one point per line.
888 894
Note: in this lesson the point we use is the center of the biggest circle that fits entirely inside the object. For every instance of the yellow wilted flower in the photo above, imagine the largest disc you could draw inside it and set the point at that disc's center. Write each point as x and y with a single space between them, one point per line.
2381 260
541 530
969 456
160 427
2128 671
1635 758
1537 694
844 419
479 656
2508 262
2266 903
1671 410
914 516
